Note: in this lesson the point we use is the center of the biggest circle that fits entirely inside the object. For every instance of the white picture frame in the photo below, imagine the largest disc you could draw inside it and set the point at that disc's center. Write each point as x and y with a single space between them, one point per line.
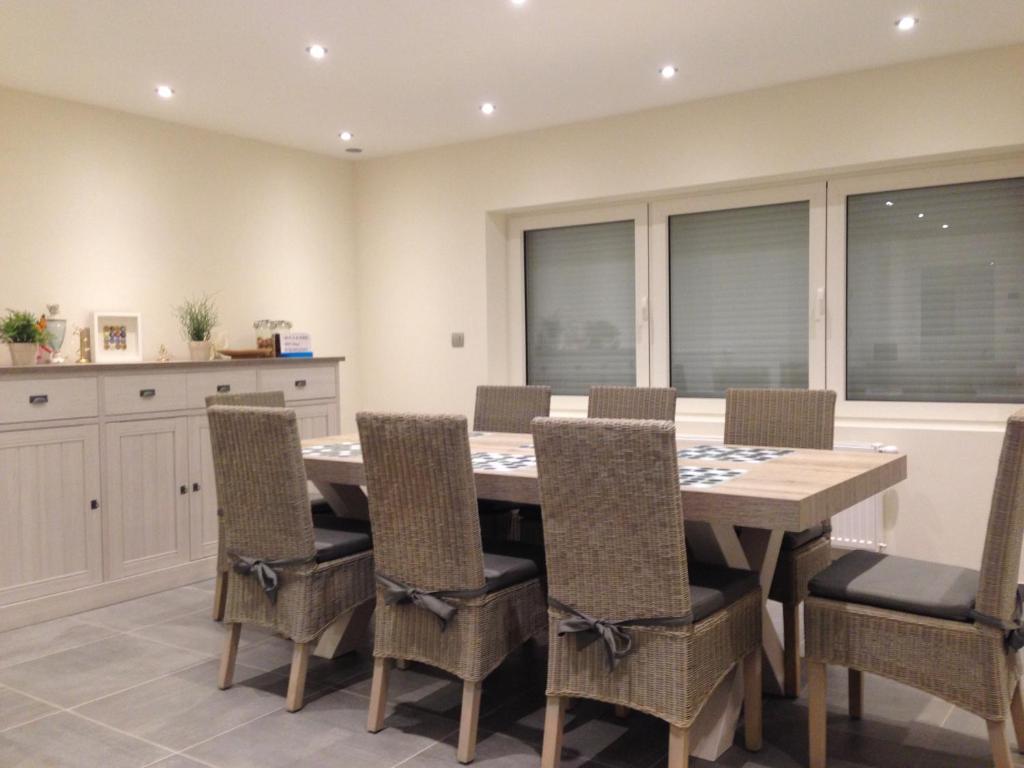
116 337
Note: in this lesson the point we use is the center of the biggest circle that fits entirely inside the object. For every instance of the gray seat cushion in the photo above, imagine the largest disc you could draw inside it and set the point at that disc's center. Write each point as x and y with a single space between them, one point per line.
796 539
714 587
900 584
332 544
502 571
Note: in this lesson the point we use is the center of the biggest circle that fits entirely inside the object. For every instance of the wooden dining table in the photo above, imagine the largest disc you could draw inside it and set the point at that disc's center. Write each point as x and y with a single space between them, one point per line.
737 503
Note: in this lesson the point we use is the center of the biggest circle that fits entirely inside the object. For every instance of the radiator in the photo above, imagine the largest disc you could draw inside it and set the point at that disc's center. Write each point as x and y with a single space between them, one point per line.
860 526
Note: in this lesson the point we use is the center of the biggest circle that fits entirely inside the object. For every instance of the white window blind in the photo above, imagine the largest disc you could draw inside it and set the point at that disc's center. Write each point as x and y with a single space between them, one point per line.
738 282
935 294
580 306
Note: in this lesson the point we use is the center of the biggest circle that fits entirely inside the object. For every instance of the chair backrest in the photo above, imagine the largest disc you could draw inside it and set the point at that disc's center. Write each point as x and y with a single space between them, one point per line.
781 418
1000 561
632 403
261 482
423 507
253 399
613 520
510 409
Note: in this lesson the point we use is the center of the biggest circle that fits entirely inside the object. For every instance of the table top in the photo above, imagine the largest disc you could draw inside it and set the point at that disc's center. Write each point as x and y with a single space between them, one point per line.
790 489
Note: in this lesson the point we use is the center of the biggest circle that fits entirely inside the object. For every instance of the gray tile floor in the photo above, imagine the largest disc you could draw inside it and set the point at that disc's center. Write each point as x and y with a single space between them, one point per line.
133 685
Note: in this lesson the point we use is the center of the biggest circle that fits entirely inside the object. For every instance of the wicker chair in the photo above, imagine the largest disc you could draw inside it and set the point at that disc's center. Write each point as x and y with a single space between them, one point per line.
951 632
632 403
441 600
285 575
617 568
788 418
255 400
509 409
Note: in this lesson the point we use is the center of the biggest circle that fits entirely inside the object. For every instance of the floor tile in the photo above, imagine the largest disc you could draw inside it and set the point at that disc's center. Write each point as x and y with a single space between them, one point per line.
27 643
197 632
177 761
275 655
67 741
73 677
16 709
185 708
151 609
206 585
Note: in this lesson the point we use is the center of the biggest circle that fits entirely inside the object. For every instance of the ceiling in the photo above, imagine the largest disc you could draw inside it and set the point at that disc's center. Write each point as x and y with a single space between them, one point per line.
404 74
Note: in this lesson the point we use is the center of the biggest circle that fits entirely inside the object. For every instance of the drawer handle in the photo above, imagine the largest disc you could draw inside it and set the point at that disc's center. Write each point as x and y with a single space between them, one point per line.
94 504
38 399
300 383
223 388
147 393
195 487
183 490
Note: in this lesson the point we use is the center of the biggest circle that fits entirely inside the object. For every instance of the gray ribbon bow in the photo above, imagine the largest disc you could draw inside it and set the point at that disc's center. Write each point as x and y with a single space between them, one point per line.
618 642
265 572
1013 630
396 593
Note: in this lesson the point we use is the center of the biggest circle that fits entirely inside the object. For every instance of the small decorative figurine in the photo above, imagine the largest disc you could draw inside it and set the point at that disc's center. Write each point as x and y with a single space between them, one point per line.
162 355
83 345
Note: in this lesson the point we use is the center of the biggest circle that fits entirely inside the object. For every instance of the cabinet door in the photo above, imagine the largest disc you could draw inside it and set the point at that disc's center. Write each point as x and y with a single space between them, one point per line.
317 420
147 494
202 491
50 536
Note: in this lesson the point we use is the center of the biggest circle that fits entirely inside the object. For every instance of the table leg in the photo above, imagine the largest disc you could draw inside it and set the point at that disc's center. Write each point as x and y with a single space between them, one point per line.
346 500
757 550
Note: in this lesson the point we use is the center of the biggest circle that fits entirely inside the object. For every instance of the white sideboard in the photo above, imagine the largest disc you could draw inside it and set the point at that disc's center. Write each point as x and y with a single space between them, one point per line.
106 479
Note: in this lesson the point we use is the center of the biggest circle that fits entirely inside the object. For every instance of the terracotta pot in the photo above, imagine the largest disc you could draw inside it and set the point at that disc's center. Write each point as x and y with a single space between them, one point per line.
200 351
23 353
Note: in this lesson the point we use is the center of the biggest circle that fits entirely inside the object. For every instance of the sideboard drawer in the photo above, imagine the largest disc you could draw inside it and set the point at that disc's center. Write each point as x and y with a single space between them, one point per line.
219 382
144 393
43 399
306 383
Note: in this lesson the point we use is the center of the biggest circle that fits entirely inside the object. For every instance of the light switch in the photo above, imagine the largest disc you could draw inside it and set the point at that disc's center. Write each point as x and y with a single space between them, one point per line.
458 340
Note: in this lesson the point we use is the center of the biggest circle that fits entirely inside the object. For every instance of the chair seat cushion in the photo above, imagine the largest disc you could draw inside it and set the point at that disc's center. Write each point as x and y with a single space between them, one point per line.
502 571
796 539
332 544
493 506
714 587
899 584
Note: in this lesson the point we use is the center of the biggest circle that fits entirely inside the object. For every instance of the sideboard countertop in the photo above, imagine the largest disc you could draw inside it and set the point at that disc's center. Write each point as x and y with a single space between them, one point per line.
149 365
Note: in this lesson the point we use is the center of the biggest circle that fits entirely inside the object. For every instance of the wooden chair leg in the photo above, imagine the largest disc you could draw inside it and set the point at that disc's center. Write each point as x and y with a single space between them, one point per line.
817 684
220 595
856 678
752 717
621 712
679 742
554 725
1000 746
791 652
378 694
468 721
1017 714
227 659
297 677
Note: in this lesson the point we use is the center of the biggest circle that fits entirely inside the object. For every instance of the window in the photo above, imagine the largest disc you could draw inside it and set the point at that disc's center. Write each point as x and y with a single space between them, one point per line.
738 290
935 293
580 306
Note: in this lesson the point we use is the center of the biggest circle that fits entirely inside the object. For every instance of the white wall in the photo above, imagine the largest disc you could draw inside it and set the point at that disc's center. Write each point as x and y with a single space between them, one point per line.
430 238
105 210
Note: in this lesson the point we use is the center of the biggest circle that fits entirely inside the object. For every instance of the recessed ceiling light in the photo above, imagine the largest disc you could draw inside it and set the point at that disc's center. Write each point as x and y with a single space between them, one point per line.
920 215
889 203
945 226
317 51
518 2
164 91
487 108
906 23
668 71
345 136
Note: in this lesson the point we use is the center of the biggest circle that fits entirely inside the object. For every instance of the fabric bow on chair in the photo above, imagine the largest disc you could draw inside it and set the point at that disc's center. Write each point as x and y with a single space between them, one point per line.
397 592
265 572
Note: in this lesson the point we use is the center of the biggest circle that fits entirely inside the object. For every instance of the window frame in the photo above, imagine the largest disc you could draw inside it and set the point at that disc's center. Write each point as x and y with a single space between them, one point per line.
517 226
839 189
814 194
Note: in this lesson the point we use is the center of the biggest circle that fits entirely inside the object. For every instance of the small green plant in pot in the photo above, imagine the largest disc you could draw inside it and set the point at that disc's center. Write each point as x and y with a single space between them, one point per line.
198 318
23 334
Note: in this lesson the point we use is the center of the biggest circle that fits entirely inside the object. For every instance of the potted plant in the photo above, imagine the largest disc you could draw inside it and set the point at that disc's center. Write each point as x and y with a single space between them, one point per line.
198 317
23 333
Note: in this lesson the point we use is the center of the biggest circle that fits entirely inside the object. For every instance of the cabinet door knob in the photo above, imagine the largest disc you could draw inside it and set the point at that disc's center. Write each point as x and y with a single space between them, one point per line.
147 393
38 399
223 388
183 490
94 504
300 383
195 487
